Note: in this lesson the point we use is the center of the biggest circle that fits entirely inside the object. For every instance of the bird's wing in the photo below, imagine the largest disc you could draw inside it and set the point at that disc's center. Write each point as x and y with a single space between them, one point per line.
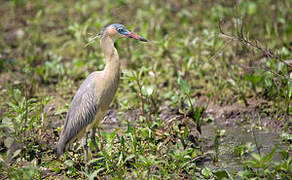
82 110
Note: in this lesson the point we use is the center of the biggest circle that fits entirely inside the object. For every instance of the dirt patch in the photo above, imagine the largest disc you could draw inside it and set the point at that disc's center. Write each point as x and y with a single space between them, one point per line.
259 112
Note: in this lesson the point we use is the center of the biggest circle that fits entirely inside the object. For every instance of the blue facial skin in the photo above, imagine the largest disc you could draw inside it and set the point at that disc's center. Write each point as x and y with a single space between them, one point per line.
121 29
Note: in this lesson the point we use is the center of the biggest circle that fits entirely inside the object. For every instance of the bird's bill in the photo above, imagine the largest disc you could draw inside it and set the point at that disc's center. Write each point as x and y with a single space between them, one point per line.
135 36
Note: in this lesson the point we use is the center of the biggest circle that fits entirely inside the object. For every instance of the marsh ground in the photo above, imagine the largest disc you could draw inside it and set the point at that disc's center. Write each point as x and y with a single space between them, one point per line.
192 102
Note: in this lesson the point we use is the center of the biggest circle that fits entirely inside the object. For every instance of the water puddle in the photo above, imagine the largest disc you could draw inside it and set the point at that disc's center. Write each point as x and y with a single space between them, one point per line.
235 136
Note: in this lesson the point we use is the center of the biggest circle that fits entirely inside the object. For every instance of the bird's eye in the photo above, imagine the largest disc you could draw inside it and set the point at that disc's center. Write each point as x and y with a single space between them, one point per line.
121 30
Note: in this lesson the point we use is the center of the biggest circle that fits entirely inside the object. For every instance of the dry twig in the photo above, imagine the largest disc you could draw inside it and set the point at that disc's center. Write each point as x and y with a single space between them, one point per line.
267 53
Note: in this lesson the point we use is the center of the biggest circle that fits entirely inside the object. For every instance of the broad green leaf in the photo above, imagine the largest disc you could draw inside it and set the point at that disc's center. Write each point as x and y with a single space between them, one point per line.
285 136
270 155
221 174
148 90
16 153
69 163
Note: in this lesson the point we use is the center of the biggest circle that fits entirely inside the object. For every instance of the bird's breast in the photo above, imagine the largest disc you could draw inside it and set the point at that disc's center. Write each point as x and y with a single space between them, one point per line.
109 89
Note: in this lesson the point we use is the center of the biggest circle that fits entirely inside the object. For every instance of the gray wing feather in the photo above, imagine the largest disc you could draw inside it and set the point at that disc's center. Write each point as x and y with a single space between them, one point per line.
81 113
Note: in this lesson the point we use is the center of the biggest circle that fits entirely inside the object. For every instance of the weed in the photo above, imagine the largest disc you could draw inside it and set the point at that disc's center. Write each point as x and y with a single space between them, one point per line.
186 70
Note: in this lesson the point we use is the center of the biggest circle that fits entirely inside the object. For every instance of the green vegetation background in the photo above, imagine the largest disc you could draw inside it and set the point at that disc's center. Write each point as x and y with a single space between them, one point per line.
43 60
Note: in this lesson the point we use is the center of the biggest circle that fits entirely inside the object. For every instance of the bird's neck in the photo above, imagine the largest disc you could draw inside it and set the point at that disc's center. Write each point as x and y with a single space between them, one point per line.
112 67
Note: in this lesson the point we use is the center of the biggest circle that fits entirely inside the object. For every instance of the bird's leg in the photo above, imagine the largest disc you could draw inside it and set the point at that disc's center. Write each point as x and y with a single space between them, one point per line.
85 151
93 138
101 144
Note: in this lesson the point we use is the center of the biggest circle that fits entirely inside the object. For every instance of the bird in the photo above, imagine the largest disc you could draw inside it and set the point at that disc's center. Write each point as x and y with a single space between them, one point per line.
91 101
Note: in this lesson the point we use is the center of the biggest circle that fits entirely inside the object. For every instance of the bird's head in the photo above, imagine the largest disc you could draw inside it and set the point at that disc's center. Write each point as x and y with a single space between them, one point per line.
119 30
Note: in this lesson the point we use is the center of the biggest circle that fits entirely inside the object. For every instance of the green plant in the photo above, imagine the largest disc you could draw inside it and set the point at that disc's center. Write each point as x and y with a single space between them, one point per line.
188 70
259 165
244 149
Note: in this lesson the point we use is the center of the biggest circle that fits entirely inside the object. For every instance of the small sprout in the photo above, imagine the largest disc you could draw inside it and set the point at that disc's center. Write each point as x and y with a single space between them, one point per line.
221 132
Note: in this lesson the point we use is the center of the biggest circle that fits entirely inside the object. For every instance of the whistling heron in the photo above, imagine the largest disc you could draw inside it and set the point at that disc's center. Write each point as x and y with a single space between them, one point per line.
94 96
